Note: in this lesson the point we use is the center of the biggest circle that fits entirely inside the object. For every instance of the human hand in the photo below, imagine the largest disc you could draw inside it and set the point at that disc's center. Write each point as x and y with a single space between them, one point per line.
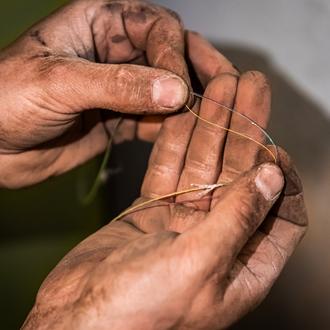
206 61
49 78
200 264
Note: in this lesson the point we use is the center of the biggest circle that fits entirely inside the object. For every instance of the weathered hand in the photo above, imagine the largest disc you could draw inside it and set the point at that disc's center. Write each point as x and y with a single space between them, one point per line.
186 265
206 61
84 57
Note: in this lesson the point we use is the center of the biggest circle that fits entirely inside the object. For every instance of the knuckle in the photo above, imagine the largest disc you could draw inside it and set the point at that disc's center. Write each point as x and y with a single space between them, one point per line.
227 77
126 84
52 65
225 81
162 170
140 11
202 166
119 72
174 15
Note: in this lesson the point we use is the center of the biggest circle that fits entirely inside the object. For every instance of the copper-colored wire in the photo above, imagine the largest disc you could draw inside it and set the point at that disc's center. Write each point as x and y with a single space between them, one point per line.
206 187
234 132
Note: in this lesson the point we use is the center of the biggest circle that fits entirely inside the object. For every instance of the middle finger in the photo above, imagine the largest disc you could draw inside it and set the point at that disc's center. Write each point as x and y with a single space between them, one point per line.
204 155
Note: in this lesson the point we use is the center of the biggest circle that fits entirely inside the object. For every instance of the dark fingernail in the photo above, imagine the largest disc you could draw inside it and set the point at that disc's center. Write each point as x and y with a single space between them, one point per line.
269 181
169 92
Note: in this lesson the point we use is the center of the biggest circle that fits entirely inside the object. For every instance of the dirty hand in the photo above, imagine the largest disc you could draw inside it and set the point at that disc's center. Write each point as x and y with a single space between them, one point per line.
56 78
200 264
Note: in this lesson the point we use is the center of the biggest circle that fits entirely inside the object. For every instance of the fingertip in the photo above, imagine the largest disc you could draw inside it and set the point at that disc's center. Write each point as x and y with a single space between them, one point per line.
256 78
293 184
170 92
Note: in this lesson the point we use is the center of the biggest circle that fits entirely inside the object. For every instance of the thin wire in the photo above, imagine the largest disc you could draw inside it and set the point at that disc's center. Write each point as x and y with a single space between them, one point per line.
208 188
177 193
274 155
232 131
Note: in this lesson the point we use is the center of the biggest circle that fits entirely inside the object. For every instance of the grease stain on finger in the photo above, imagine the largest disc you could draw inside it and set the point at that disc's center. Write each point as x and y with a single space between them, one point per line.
114 7
118 38
35 35
139 14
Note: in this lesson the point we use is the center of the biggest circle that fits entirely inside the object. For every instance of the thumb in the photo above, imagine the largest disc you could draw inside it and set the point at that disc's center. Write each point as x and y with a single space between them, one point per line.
124 88
236 217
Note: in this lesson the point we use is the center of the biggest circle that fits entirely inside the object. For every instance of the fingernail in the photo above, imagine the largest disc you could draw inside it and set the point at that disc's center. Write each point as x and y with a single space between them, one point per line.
269 181
169 92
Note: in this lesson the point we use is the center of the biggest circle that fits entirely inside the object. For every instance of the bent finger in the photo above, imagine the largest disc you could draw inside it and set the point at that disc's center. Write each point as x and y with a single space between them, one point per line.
207 61
159 32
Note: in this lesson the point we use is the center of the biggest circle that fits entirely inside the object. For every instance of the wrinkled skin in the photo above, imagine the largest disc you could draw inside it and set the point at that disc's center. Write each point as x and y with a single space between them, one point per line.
86 56
188 263
200 264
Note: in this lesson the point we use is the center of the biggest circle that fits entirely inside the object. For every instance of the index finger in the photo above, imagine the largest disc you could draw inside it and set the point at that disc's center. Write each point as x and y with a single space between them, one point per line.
206 60
159 32
253 100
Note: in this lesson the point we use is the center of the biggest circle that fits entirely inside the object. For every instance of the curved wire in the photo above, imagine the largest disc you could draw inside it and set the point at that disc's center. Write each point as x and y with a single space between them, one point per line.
207 187
274 155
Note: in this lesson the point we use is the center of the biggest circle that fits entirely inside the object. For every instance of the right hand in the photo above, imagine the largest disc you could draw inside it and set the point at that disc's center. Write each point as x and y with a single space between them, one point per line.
60 73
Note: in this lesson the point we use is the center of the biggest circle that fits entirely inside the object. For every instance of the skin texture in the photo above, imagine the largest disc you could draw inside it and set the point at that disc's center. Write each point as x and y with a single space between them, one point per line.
87 56
186 263
189 262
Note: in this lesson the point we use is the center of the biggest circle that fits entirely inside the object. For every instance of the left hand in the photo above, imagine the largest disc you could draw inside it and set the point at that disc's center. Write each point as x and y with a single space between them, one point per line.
196 265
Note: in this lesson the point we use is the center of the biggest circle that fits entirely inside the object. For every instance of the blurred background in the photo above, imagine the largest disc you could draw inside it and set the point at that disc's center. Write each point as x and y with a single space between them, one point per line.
288 40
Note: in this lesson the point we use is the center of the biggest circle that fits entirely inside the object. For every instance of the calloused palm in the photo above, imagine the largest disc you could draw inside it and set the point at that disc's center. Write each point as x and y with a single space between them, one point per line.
186 265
